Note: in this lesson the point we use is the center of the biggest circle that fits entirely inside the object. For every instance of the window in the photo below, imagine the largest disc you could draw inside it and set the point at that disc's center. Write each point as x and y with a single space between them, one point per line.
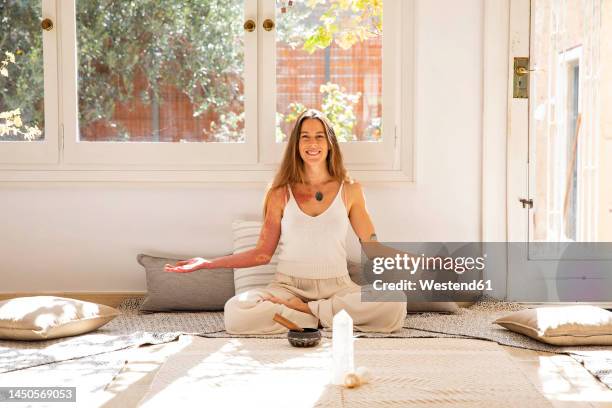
28 68
160 71
169 83
329 55
188 85
331 58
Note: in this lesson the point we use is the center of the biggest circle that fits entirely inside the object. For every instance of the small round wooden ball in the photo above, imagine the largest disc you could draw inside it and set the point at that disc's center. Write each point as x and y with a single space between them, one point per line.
352 380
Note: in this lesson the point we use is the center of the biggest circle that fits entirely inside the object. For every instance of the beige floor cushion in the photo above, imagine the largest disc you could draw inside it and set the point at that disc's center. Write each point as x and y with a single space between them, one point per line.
246 235
563 326
50 317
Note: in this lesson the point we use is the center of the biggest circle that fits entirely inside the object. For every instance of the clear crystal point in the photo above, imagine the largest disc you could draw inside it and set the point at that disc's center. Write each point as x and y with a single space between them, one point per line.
342 347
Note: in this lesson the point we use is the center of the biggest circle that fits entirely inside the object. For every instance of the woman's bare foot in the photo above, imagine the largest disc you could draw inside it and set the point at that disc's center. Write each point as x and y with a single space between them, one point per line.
293 303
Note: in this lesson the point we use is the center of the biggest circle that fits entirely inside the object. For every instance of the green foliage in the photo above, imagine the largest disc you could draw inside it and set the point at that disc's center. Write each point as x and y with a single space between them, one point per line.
298 24
11 122
295 110
193 45
21 82
345 21
229 128
8 59
316 24
337 105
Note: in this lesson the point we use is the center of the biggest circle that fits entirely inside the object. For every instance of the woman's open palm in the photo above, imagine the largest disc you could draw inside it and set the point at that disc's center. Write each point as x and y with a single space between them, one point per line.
190 265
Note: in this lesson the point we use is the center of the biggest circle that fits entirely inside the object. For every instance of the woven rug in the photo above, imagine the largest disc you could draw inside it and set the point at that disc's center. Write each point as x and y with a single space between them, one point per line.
477 322
129 329
132 329
271 373
90 375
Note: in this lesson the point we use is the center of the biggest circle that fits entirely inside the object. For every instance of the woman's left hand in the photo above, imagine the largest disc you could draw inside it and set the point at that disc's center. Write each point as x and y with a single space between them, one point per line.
293 303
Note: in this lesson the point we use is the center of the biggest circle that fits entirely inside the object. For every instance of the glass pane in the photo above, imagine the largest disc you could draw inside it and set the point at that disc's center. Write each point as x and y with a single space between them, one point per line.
21 71
160 71
329 57
570 120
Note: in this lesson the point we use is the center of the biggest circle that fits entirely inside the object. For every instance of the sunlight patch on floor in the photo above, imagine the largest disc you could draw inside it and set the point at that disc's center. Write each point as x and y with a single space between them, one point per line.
231 376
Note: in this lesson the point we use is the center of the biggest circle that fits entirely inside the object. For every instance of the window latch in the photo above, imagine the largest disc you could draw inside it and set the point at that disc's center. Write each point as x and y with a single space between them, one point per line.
526 202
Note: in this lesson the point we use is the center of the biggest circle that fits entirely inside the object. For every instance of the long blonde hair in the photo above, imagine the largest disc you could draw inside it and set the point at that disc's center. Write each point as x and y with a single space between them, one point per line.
291 169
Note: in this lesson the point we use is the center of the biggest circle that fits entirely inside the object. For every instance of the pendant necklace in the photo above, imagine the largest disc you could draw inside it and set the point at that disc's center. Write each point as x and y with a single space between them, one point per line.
319 195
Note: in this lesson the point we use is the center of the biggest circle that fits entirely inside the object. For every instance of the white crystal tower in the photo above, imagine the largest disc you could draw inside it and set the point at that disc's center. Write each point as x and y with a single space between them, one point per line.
342 347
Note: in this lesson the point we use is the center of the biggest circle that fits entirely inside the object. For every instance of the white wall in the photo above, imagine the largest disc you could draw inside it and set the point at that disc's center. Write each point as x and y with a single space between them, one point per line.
76 237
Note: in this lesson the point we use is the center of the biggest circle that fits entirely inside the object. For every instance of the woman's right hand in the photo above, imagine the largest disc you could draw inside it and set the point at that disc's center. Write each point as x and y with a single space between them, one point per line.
190 265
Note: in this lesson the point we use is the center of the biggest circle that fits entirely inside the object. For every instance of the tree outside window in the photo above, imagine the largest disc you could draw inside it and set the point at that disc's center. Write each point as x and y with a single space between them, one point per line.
185 58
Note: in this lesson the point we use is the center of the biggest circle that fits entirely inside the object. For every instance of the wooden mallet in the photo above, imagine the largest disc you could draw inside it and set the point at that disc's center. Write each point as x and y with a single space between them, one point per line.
287 323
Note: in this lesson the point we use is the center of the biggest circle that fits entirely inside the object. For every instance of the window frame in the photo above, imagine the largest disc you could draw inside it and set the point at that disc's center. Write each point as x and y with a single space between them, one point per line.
46 151
392 161
379 154
153 153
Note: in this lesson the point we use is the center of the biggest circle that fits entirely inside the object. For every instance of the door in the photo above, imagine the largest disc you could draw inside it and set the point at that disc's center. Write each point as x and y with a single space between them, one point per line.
560 151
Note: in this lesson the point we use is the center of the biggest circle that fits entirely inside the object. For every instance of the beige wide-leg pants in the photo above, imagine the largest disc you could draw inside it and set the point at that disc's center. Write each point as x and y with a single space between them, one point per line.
249 313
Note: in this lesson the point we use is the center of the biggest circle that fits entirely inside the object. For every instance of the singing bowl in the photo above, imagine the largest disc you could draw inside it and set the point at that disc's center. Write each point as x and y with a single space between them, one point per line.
307 338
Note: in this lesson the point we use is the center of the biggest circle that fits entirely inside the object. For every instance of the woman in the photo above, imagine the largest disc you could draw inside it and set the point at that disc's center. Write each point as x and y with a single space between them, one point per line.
312 200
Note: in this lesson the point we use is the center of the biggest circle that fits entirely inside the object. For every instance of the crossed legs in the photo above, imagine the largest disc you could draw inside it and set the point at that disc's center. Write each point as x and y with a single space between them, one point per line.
251 312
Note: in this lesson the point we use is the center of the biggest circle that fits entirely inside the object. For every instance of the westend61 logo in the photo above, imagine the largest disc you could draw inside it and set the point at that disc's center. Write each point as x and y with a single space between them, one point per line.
425 271
464 271
438 272
427 263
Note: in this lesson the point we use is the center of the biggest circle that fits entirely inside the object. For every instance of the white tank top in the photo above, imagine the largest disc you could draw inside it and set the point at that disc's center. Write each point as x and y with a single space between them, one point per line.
314 247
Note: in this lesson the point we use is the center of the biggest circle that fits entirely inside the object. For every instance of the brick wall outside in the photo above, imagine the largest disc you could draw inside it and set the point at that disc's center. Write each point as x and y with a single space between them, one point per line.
299 76
358 69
